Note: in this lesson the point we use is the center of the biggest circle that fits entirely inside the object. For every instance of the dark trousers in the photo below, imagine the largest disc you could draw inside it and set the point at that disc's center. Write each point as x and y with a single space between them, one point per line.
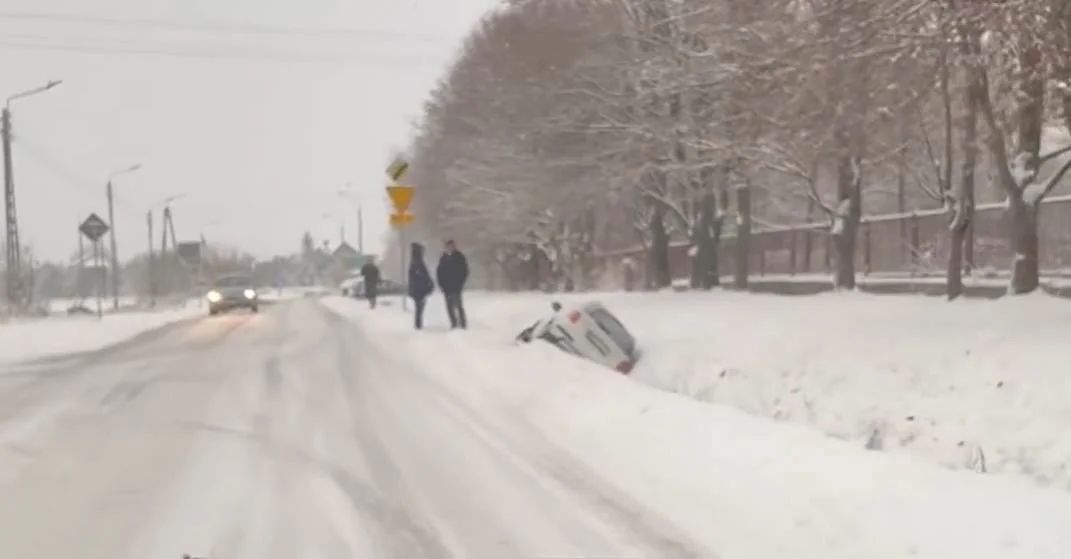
418 312
372 299
455 309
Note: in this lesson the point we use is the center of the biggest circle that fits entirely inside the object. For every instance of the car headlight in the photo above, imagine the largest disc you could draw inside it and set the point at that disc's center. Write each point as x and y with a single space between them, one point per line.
249 293
214 296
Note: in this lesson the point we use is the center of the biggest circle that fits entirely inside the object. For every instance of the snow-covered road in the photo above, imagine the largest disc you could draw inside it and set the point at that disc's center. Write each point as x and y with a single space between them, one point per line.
287 434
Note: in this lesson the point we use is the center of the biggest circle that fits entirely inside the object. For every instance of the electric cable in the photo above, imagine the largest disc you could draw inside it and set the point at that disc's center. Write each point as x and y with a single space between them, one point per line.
225 28
33 44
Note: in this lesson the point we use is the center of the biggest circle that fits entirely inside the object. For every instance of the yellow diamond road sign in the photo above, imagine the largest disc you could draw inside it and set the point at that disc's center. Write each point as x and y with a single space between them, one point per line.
401 219
401 197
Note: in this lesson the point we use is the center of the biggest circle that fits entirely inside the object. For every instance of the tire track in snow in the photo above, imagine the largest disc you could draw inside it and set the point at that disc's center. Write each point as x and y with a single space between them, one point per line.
408 534
235 539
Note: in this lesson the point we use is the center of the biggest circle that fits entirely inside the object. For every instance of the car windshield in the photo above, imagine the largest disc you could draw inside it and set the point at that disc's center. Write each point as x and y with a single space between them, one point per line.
233 281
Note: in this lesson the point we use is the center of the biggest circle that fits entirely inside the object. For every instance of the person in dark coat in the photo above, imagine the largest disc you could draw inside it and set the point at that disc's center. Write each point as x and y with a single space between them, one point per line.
371 275
420 284
452 273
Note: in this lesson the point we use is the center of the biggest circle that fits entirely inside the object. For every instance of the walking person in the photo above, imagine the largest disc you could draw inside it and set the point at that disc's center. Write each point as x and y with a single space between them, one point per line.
420 284
371 275
452 273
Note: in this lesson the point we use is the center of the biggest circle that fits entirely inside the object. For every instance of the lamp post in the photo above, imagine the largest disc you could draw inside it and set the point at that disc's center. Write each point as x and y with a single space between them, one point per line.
348 192
109 191
13 253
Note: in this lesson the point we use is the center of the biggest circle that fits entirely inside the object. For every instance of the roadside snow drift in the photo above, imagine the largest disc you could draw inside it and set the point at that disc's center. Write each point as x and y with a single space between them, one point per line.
60 335
981 385
750 487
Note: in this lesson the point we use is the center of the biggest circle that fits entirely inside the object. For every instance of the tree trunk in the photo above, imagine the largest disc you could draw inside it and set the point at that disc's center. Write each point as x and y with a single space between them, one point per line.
743 237
704 263
846 222
1023 226
1023 217
706 235
659 254
954 274
963 209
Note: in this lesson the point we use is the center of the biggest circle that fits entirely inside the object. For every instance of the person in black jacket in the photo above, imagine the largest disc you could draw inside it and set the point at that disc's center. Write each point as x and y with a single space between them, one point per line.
371 275
420 284
452 273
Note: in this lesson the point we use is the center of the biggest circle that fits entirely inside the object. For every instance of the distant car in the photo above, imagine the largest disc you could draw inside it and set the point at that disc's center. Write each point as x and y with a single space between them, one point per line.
386 287
589 331
234 291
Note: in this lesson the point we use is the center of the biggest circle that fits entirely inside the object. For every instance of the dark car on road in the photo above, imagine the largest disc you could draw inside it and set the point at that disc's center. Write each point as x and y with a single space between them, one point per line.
387 286
235 291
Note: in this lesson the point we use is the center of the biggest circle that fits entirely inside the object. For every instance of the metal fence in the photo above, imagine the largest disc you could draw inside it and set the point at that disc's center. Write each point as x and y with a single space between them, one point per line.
910 244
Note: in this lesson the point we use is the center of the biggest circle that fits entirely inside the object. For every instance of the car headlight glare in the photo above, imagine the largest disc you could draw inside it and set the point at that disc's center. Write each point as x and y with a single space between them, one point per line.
214 296
249 293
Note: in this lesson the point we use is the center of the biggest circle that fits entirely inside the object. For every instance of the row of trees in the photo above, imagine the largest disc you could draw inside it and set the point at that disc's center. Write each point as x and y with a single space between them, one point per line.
565 128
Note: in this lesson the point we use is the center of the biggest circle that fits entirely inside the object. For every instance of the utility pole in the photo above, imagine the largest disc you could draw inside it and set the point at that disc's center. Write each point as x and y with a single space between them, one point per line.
13 252
114 253
159 261
81 263
12 238
152 264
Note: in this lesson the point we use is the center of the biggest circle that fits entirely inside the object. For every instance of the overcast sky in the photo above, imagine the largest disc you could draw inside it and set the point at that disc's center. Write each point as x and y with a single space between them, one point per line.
259 132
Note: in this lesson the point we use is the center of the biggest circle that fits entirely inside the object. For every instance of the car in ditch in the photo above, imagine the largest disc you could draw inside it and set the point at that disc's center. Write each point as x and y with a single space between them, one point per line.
235 291
587 330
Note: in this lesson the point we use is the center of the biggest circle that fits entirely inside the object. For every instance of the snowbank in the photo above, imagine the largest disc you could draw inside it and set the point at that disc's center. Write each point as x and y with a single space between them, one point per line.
747 486
973 384
48 337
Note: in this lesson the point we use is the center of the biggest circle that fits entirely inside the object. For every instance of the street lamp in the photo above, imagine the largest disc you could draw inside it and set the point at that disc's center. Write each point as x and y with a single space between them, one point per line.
111 221
14 277
348 192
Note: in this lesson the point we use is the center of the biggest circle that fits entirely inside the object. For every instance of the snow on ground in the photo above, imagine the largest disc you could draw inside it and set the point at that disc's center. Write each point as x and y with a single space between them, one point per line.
972 384
59 335
756 487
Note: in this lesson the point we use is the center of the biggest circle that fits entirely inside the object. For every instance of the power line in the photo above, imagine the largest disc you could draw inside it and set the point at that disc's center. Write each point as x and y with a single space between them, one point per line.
226 28
34 44
87 190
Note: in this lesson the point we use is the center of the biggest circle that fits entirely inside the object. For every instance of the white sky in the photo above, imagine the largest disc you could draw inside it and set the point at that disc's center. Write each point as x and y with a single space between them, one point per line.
259 147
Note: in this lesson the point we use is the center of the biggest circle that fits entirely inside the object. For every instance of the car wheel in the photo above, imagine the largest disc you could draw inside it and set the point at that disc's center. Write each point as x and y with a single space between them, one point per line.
213 312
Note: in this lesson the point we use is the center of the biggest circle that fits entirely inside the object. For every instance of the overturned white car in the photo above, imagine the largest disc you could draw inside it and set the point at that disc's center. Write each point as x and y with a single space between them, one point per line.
590 331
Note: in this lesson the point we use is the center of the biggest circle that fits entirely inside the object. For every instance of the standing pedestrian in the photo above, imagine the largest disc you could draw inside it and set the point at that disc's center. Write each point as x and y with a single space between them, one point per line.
371 275
420 284
452 273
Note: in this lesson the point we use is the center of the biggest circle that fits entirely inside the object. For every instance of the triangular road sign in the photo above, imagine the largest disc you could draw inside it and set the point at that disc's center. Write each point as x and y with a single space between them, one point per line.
401 197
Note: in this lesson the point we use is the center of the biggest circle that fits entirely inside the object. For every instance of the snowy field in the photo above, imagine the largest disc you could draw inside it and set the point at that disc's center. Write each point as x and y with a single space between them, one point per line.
756 487
978 385
24 340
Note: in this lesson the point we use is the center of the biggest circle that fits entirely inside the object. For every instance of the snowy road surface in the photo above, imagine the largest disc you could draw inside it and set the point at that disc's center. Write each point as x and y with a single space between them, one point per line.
286 435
